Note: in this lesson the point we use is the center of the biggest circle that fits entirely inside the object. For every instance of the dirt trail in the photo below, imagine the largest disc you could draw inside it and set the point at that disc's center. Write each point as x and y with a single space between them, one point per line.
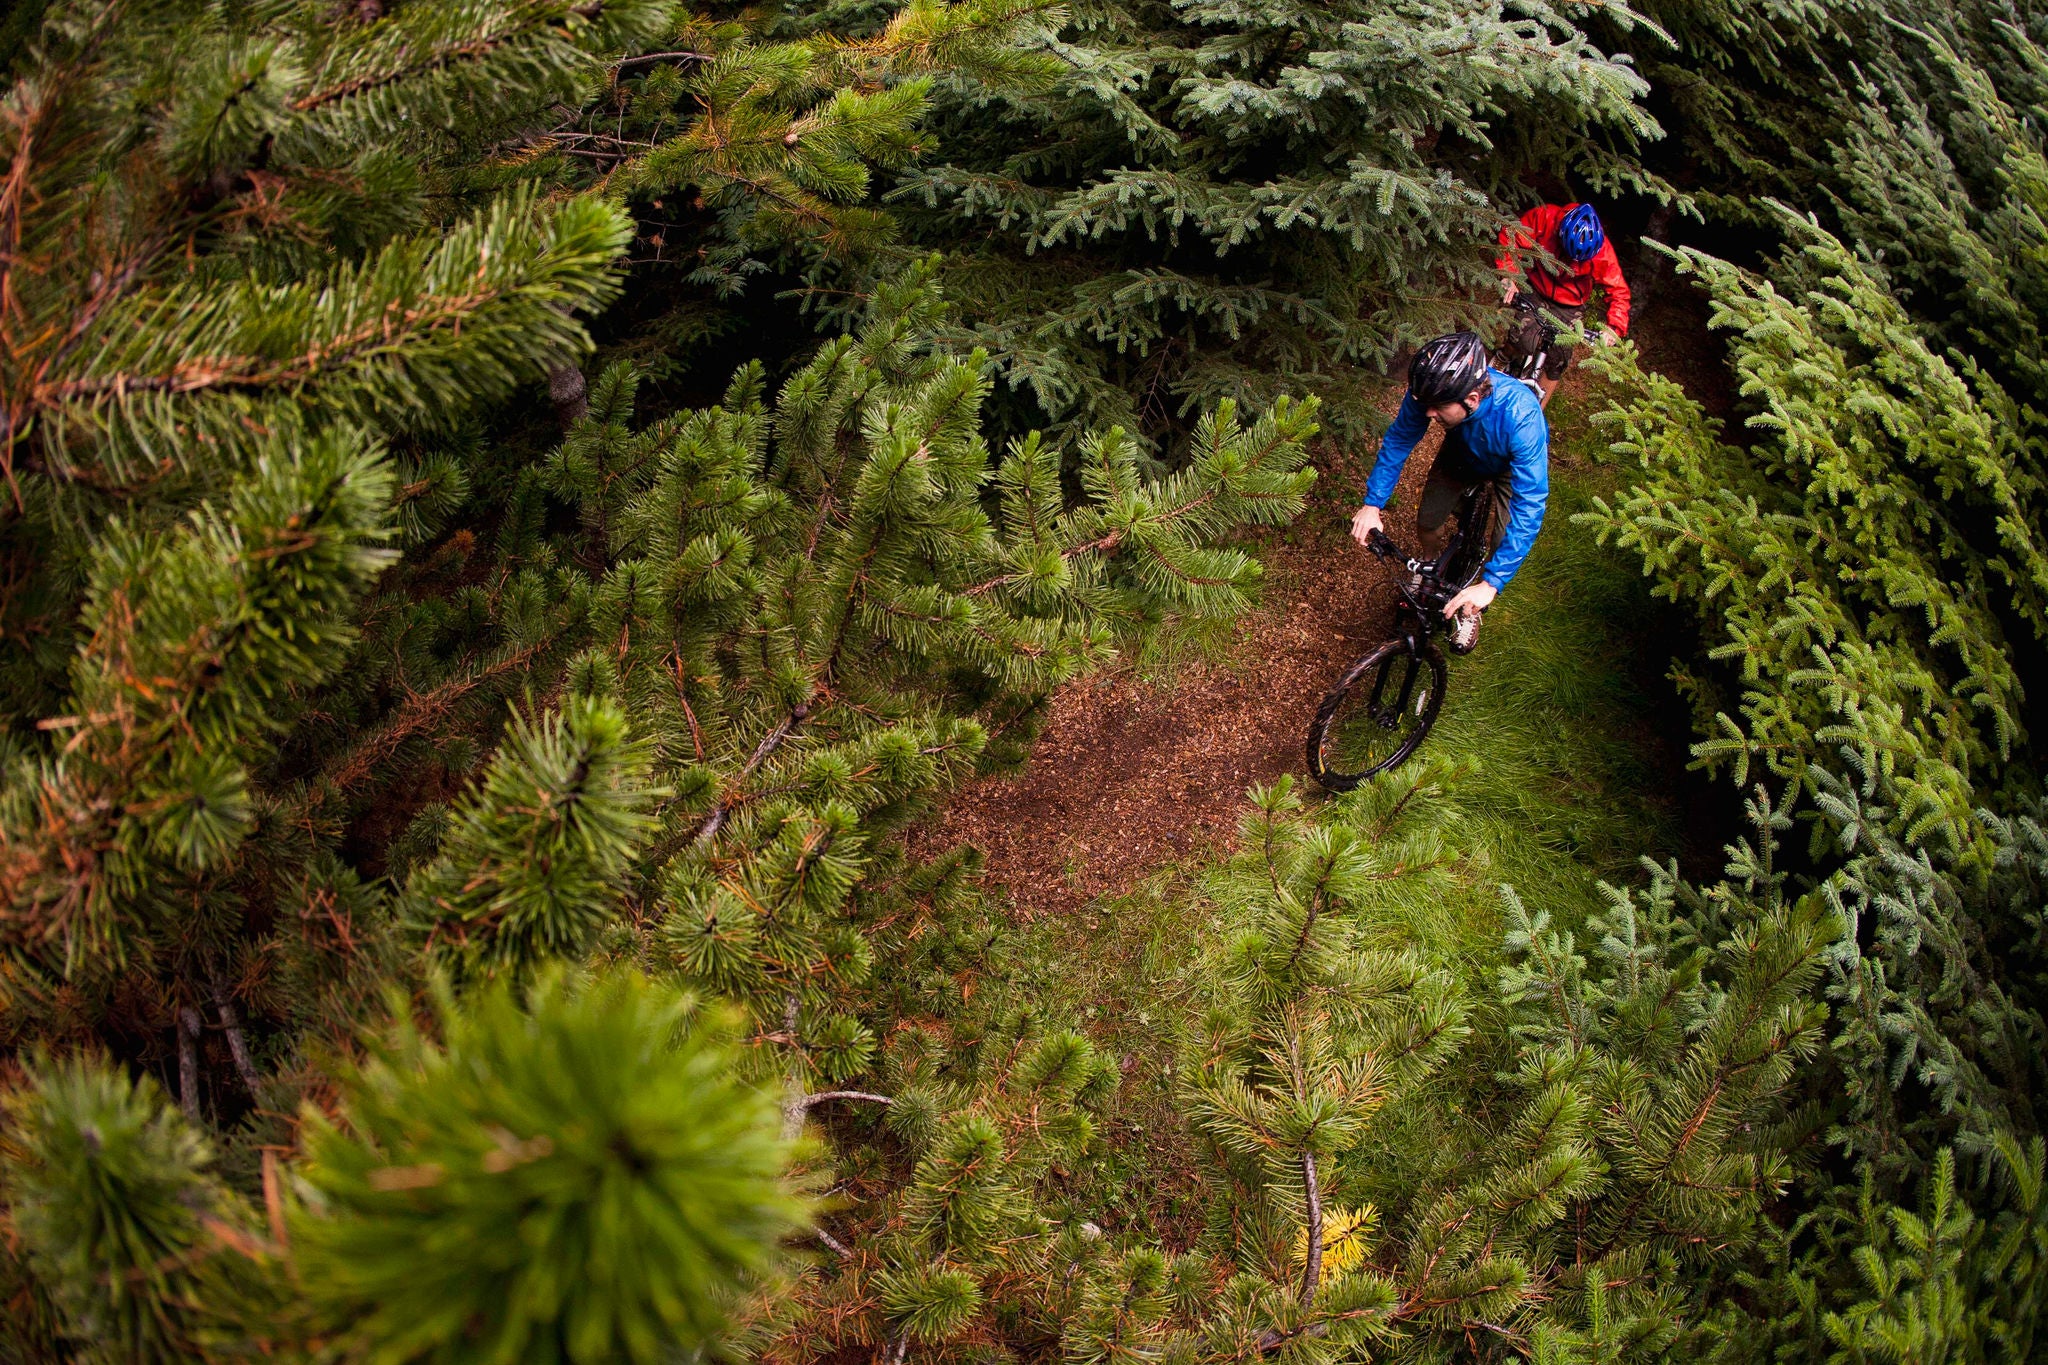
1129 775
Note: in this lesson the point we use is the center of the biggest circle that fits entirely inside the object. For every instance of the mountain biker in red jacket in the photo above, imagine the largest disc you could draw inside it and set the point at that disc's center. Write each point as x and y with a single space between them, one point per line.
1573 234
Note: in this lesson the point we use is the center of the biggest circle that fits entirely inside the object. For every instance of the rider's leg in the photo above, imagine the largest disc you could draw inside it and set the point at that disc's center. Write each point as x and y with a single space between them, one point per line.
1433 517
1498 526
1524 336
1559 357
1448 480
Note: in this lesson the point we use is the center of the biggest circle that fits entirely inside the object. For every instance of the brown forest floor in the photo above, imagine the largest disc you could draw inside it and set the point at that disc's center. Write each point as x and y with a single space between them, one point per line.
1132 774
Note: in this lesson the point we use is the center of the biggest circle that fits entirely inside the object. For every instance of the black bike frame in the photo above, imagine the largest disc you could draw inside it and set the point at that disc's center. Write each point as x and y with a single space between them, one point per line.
1427 607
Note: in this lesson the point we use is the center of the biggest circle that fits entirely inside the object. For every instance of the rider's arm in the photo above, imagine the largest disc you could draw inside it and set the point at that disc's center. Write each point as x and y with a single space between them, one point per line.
1607 273
1528 491
1409 424
1536 226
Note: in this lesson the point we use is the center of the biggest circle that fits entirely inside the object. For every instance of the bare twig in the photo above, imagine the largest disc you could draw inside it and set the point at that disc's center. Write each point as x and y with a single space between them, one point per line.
1312 1273
648 57
770 742
273 1198
231 1025
821 1096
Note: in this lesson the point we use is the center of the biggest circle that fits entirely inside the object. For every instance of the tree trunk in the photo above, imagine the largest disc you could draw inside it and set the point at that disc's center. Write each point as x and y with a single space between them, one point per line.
188 1061
768 745
793 1106
566 389
1652 271
568 392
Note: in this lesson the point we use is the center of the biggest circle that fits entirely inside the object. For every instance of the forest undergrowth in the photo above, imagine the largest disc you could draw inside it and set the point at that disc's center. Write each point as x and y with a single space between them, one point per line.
537 536
1145 763
1557 761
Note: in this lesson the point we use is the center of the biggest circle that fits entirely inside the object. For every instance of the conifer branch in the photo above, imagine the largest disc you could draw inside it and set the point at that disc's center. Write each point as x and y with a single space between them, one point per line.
770 742
646 58
1312 1268
821 1096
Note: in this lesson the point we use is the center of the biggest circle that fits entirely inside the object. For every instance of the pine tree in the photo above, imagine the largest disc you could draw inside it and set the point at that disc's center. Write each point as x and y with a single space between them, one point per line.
821 613
228 296
1539 1169
567 1171
555 1176
751 641
199 494
1402 1165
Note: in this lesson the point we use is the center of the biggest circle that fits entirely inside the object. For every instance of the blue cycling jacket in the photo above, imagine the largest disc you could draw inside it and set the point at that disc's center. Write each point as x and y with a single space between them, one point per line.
1507 435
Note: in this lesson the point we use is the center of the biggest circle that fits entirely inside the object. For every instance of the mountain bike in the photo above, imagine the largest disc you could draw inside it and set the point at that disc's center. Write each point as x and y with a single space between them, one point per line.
1382 708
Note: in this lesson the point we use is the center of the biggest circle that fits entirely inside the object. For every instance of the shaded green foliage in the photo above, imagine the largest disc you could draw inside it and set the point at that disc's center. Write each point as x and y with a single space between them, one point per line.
1867 568
390 769
1238 200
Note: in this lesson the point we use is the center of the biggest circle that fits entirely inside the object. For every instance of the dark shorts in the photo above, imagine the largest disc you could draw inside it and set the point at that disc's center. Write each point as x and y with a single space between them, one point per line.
1449 479
1525 333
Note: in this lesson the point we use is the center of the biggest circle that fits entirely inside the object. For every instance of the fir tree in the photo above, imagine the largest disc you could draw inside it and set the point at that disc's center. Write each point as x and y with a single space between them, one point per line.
1222 200
748 143
1867 564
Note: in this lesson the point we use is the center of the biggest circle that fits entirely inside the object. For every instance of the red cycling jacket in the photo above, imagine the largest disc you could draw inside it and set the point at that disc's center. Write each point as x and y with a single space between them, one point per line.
1539 228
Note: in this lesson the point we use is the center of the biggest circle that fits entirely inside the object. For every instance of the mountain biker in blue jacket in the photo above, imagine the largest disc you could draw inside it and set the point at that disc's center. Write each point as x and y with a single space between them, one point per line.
1494 431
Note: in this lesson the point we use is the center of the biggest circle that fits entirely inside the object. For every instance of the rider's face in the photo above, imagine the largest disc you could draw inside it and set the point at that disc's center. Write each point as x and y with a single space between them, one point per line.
1450 414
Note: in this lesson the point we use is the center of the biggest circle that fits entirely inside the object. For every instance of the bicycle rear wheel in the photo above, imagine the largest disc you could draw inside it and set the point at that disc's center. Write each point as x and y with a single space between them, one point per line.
1377 714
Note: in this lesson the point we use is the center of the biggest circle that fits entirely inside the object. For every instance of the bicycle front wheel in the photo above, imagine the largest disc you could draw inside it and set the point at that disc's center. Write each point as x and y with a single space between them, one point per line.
1377 714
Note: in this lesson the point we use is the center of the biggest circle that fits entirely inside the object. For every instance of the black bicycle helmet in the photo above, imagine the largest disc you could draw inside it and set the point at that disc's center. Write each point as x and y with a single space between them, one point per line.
1447 369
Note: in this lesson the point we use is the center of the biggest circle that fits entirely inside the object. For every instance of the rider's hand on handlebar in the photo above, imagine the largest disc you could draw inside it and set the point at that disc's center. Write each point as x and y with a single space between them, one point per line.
1609 337
1508 291
1364 522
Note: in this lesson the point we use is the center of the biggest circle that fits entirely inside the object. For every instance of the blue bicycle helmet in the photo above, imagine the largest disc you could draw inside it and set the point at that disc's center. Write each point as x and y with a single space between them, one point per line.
1579 235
